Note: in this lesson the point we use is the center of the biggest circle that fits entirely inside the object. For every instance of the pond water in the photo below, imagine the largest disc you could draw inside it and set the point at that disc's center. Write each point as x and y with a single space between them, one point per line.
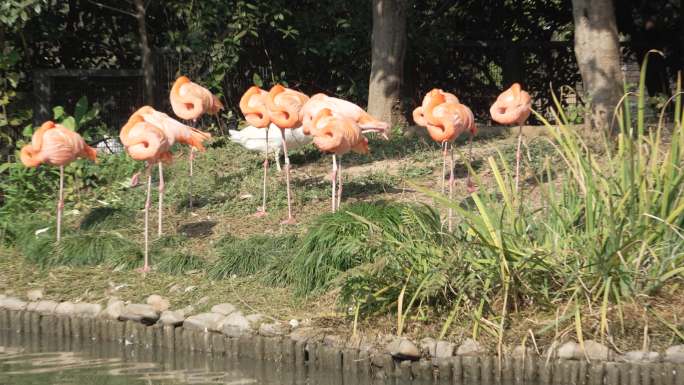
29 359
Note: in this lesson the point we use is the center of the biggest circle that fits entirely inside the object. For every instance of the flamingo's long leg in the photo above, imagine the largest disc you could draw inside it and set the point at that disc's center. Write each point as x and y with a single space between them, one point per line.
146 267
444 162
339 182
517 161
262 211
60 203
192 155
334 181
290 219
469 184
161 199
451 186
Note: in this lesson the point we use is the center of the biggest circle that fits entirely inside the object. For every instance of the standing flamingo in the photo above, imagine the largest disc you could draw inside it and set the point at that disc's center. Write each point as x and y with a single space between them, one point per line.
189 101
56 145
338 135
445 119
145 142
253 106
284 106
340 109
174 131
513 106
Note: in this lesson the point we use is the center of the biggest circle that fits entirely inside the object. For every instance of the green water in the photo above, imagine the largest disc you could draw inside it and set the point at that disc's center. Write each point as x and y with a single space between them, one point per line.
27 359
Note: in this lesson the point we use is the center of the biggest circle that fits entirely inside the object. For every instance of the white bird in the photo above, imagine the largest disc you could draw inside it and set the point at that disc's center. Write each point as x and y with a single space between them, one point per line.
254 139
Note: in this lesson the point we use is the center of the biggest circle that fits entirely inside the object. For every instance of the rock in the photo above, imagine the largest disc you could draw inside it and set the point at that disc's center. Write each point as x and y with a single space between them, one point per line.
34 295
305 334
255 320
444 349
158 303
675 354
174 318
223 308
521 351
204 322
470 347
186 311
65 308
569 351
12 303
639 356
596 351
31 306
139 313
114 309
403 349
235 325
273 329
202 300
87 310
334 340
428 346
46 307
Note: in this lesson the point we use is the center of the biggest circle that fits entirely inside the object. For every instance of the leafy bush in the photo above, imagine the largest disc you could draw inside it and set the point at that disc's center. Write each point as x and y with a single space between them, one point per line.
608 231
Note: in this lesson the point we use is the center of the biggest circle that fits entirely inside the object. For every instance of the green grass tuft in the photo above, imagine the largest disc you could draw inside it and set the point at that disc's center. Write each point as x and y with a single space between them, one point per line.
252 255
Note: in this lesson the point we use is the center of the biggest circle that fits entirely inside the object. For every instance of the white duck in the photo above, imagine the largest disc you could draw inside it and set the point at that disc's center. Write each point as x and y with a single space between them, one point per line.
254 139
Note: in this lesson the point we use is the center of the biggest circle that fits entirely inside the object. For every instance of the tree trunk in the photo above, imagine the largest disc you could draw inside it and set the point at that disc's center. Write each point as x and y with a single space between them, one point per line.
388 43
146 53
598 56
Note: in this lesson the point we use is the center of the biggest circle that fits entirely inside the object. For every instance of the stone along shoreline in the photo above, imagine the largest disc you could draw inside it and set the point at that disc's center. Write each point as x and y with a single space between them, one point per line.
226 331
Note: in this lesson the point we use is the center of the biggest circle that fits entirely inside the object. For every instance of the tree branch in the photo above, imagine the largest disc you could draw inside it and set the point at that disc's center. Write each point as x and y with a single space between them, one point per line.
112 8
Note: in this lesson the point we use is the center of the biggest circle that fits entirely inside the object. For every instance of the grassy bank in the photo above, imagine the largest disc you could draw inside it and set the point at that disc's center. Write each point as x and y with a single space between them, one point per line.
589 246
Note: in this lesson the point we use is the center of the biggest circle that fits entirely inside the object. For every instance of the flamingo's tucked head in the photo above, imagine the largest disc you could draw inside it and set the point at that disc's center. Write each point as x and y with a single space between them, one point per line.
513 106
253 107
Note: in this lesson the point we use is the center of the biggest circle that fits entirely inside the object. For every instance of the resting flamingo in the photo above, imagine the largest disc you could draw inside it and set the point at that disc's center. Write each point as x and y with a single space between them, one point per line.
174 131
336 134
513 106
341 109
189 101
445 119
253 107
145 142
284 105
56 145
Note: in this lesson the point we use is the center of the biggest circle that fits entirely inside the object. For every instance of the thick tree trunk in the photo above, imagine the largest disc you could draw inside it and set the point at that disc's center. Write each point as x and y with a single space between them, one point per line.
146 53
387 67
598 56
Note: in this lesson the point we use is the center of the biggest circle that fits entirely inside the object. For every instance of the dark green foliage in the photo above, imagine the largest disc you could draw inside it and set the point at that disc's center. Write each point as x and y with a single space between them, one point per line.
253 255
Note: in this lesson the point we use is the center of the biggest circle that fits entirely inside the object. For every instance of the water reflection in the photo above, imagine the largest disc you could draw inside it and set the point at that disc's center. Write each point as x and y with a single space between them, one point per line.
30 359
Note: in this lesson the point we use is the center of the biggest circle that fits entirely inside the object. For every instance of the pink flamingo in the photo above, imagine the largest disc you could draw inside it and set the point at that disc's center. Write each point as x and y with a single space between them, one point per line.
284 106
56 145
340 110
513 106
253 107
338 135
445 119
174 131
189 101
